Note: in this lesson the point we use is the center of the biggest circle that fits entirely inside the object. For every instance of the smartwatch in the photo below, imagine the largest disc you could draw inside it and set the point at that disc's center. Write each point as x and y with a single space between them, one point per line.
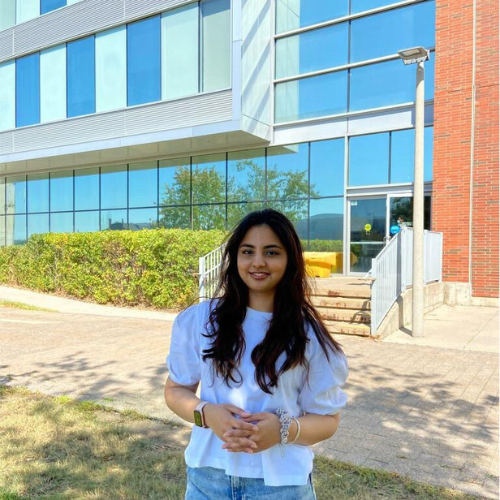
199 418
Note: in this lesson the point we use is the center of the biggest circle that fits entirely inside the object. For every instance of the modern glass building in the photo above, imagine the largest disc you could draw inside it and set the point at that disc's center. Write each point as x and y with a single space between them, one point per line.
180 113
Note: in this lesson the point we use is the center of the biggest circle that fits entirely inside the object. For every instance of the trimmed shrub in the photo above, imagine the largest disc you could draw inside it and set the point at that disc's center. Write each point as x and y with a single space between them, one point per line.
156 267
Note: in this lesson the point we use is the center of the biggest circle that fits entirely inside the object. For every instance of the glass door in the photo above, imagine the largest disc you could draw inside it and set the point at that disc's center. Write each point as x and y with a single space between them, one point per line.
367 231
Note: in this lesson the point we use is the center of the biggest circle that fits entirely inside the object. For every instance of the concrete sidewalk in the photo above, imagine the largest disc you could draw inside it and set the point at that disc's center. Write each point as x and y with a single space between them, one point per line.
426 408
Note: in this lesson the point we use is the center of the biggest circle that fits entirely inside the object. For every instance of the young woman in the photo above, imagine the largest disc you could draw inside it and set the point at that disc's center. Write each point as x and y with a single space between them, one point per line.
270 373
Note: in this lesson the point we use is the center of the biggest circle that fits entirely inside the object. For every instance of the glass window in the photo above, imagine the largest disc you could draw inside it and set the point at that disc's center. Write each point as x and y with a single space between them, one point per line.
246 179
38 224
206 217
179 52
428 153
386 33
142 218
7 15
209 179
175 182
287 171
143 61
53 84
86 222
402 156
49 5
2 196
16 229
327 168
16 195
61 223
175 217
369 159
293 14
296 211
114 186
236 212
143 181
311 97
216 46
28 90
38 193
26 10
326 228
312 51
87 189
430 76
362 5
7 95
111 69
61 191
81 77
114 220
3 239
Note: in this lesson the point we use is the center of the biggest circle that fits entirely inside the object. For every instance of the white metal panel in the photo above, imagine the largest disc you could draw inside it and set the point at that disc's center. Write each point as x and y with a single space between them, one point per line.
7 95
6 44
6 143
53 84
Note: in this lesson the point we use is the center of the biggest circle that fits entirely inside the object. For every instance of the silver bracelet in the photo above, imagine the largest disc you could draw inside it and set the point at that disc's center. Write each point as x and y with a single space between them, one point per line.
298 430
285 422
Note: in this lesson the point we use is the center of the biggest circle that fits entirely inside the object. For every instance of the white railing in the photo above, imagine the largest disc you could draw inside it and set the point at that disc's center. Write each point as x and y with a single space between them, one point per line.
209 270
392 270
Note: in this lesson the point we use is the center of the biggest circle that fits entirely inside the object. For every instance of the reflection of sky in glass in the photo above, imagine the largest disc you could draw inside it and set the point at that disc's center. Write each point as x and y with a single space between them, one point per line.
38 223
236 211
61 191
327 167
2 195
141 218
386 33
296 211
86 222
170 172
362 5
38 193
402 156
16 194
114 186
209 178
87 189
113 219
17 235
369 159
61 223
428 153
143 182
368 211
246 175
326 220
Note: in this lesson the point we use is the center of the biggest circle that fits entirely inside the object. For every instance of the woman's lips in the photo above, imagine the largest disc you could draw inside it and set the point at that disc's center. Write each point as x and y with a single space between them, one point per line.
259 276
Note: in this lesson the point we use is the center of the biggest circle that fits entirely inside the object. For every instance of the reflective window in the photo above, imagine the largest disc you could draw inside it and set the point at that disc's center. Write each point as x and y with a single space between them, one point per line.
53 84
61 191
312 51
7 14
143 61
61 223
311 97
428 153
38 224
16 195
326 228
206 217
38 193
2 196
293 14
216 46
180 52
287 171
362 5
402 156
175 217
175 182
369 159
236 212
28 90
296 211
3 235
209 179
87 189
142 218
7 94
246 177
114 186
327 168
143 182
114 220
86 222
386 33
81 76
15 229
26 10
48 5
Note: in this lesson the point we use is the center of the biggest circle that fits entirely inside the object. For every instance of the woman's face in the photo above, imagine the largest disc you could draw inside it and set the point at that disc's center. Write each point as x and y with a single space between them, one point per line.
262 261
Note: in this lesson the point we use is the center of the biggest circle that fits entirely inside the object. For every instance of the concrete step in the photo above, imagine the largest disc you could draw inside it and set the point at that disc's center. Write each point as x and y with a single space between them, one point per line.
358 304
344 315
347 328
361 292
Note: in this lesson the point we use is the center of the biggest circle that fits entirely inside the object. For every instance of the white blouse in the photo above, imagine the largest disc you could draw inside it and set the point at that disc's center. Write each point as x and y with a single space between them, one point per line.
321 394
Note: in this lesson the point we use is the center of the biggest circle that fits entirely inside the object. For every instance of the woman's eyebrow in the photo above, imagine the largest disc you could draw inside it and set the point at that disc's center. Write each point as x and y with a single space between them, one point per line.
248 245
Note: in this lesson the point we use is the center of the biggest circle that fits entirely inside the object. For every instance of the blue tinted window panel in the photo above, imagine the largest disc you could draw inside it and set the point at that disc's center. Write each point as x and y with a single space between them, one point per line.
175 217
3 240
15 229
327 168
38 193
296 211
28 90
369 160
362 5
3 199
402 156
81 77
209 179
49 5
143 61
87 189
114 186
61 191
16 195
382 84
429 68
61 222
311 97
246 177
175 182
143 181
386 33
114 220
38 224
236 212
428 153
86 222
142 218
207 217
326 223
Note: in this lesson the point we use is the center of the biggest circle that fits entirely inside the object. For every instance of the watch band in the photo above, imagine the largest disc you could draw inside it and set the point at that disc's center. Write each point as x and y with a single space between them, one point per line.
199 417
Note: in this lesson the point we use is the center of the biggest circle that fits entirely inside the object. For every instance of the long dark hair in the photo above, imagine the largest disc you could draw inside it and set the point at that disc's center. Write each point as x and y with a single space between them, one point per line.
292 312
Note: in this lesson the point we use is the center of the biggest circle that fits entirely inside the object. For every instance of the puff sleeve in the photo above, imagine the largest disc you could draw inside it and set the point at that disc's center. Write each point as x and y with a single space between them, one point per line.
184 358
322 393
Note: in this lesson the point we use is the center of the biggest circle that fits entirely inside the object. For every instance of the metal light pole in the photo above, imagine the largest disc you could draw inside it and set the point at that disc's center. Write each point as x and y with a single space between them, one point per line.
418 55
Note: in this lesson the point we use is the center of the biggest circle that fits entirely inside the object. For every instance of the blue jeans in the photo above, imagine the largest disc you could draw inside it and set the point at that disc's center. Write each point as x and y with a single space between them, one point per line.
207 483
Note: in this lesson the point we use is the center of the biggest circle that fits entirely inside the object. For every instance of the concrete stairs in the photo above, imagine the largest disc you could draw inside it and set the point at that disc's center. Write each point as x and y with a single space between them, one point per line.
344 305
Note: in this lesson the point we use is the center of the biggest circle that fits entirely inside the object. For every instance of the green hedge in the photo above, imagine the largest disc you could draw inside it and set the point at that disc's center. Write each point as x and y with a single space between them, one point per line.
324 245
156 268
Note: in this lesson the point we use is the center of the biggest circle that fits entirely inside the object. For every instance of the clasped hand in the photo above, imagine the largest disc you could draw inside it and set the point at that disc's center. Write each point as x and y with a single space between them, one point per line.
242 431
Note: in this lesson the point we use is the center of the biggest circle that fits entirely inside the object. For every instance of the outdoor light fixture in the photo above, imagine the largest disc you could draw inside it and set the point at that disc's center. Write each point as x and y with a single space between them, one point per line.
414 55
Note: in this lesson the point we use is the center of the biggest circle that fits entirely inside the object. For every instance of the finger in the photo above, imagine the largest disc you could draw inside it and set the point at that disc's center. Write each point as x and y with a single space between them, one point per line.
238 442
237 433
237 411
242 425
256 417
236 447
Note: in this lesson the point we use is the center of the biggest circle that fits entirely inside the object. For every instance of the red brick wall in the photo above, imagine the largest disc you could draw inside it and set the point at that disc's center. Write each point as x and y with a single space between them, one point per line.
453 122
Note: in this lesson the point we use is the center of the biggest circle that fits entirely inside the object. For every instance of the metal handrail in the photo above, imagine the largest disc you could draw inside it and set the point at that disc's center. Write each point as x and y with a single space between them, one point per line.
209 270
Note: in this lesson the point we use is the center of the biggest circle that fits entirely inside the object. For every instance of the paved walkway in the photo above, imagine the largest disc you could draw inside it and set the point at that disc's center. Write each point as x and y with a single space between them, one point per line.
429 411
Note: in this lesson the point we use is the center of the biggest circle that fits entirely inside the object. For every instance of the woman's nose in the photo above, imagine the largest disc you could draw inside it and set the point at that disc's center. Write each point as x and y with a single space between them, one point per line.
258 261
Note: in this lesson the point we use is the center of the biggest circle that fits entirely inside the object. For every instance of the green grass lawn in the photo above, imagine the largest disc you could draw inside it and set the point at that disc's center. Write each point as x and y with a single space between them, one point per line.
20 305
57 448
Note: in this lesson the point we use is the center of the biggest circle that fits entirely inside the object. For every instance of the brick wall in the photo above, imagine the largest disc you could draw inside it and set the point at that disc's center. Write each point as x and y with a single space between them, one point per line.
453 145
